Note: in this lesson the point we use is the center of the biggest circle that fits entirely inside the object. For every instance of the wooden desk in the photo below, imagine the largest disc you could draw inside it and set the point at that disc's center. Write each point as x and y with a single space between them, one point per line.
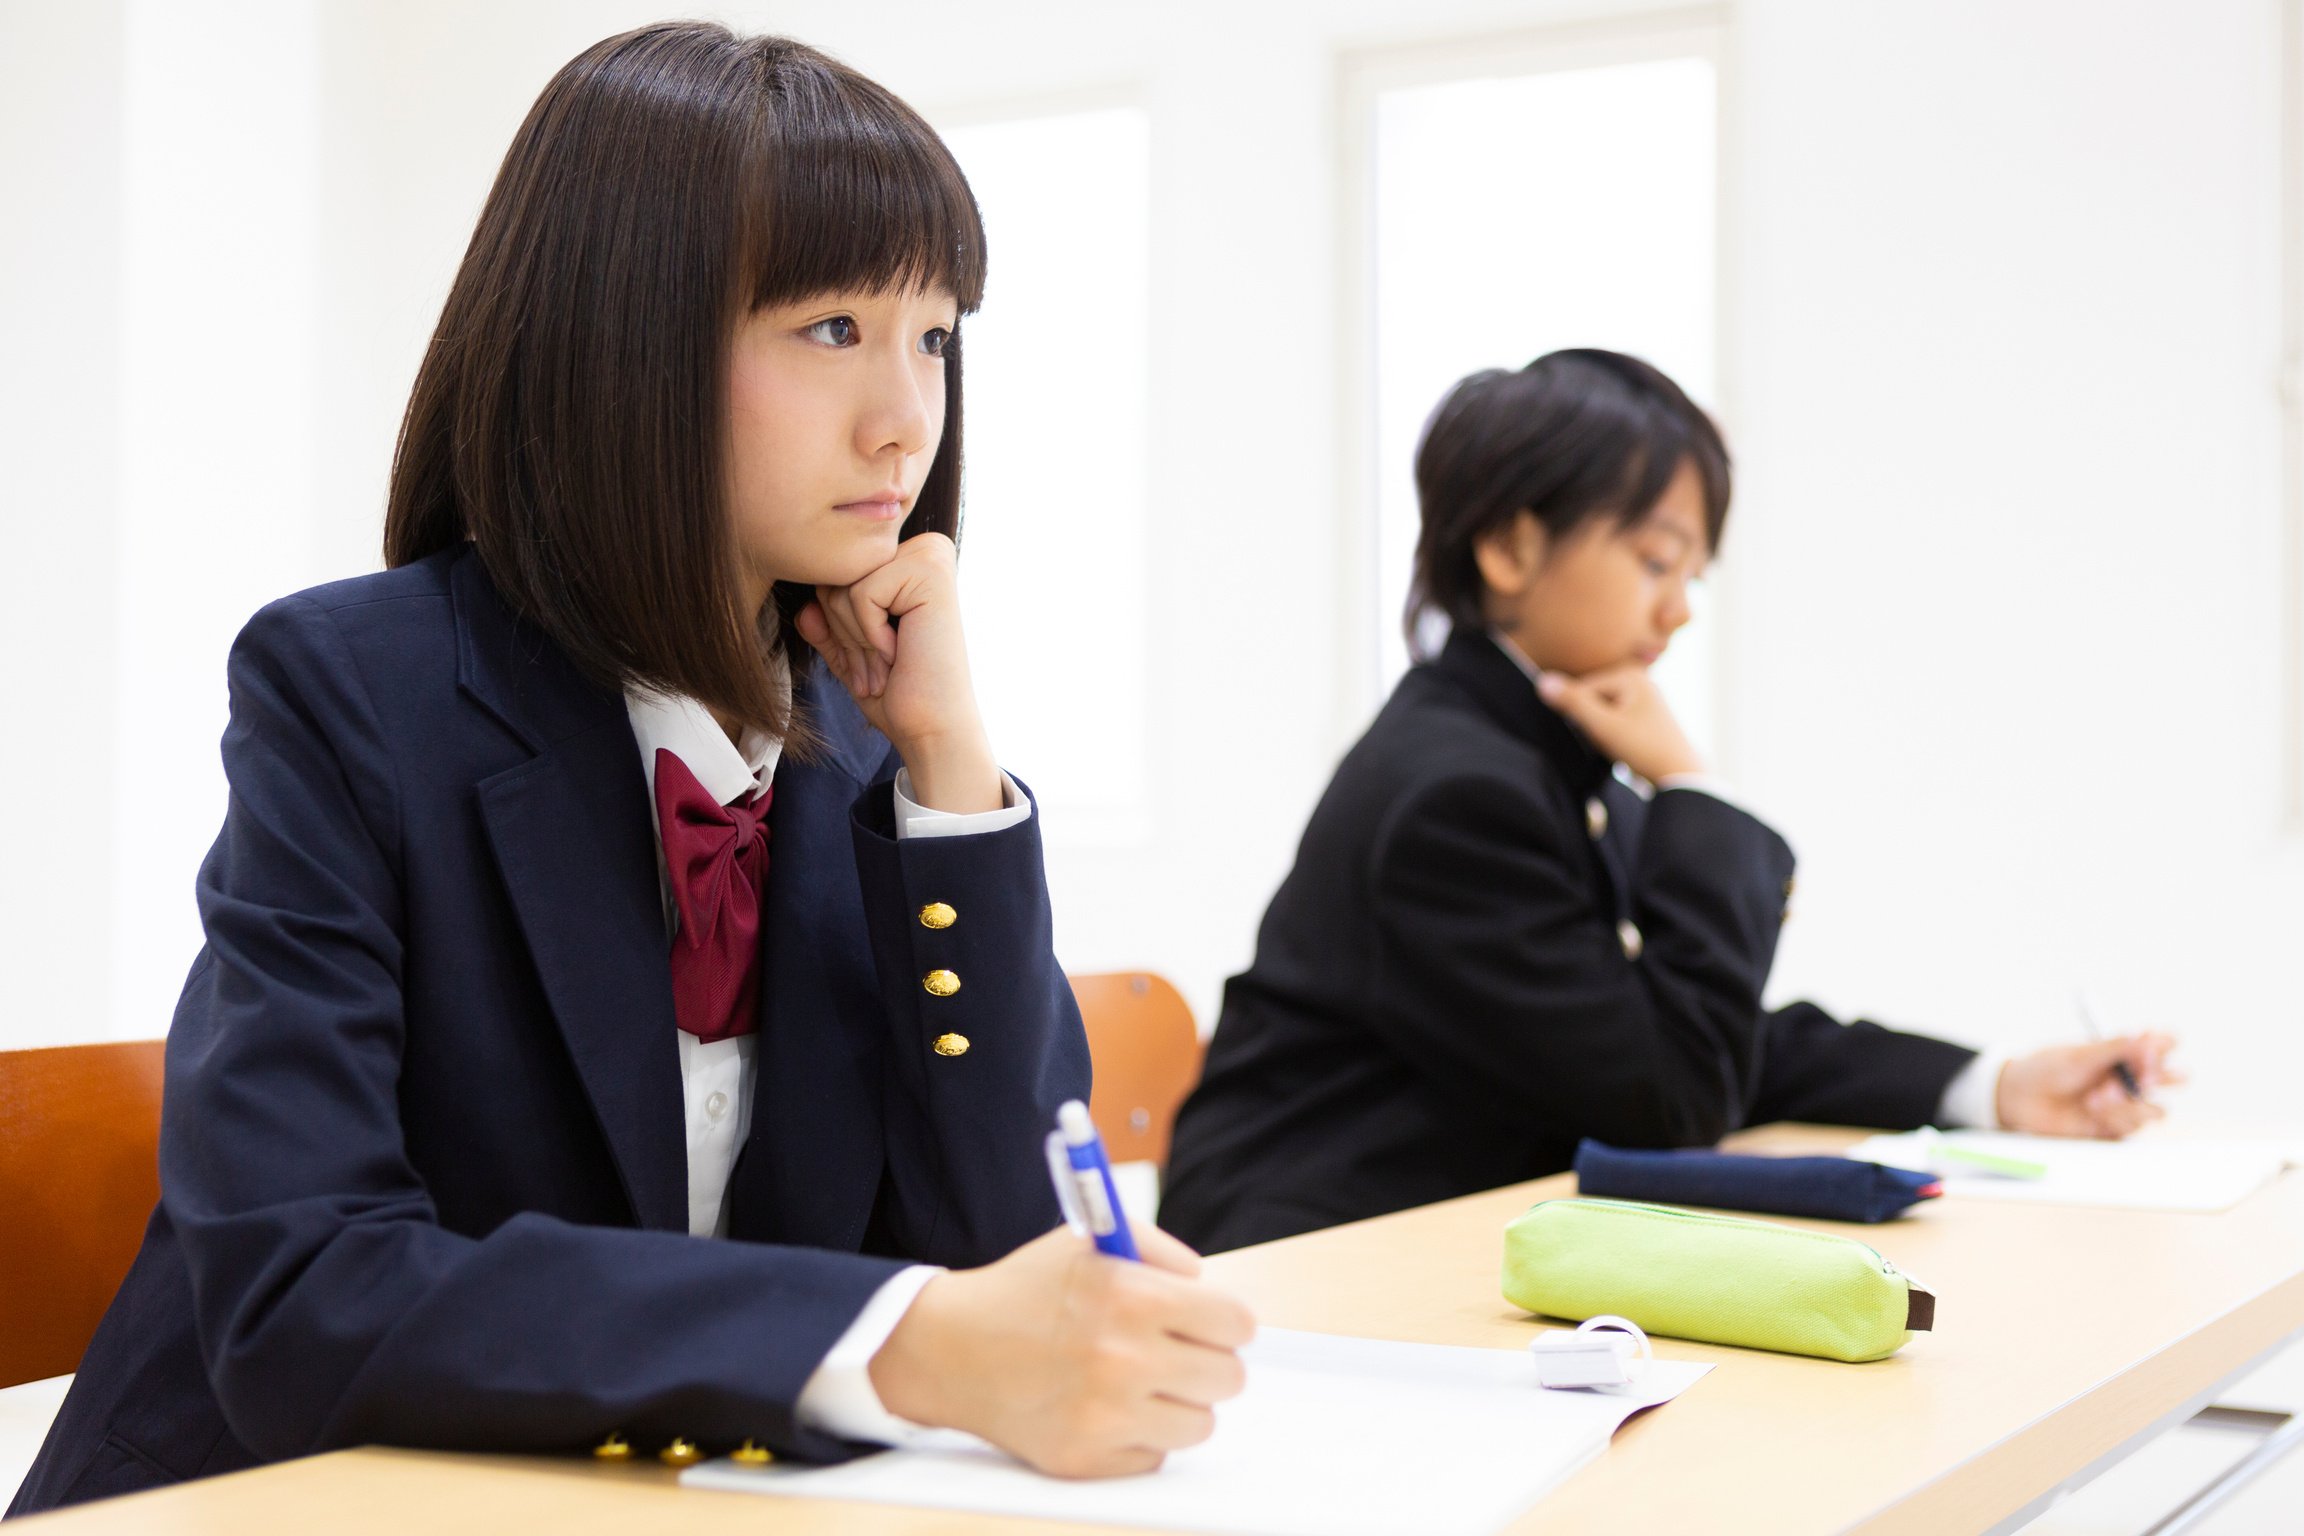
2065 1336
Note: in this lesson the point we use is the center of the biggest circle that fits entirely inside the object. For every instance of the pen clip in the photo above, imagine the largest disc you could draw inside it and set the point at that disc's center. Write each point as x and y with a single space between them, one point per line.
1067 1185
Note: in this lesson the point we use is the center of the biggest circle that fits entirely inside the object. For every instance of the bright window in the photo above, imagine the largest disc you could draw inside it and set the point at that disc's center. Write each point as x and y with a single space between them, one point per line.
1052 570
1514 216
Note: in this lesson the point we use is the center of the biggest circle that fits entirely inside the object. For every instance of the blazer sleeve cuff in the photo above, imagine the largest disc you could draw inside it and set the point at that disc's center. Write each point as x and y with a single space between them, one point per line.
1703 784
839 1398
916 820
1972 1098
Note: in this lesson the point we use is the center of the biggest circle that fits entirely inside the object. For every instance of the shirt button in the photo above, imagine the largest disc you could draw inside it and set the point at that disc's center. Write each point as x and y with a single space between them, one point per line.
1596 817
1629 936
716 1107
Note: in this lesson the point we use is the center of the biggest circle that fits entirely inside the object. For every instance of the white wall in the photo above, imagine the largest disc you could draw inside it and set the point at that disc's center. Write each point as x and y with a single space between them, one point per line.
61 101
2005 602
220 398
2006 643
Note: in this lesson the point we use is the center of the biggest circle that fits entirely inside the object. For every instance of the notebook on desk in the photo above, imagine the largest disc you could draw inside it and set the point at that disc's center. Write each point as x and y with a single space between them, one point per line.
1333 1437
2152 1173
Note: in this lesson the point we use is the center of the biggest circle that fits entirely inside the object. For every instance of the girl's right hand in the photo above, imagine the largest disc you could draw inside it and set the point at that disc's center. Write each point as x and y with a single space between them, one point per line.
1623 713
1076 1363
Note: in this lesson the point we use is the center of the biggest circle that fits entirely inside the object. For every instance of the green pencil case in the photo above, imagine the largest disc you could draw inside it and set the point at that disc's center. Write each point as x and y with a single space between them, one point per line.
1715 1279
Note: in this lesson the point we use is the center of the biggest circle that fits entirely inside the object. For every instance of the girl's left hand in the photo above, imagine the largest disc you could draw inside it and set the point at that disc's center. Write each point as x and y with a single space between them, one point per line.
912 681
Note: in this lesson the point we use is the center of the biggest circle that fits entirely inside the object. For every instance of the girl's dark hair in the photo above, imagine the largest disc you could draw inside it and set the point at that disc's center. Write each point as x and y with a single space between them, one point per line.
1573 436
570 417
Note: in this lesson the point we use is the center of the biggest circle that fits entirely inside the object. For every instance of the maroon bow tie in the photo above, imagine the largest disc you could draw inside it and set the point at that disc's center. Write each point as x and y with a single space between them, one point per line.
716 861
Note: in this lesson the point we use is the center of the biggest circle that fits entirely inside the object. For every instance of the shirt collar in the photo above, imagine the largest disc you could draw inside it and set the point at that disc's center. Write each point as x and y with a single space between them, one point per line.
677 724
1515 655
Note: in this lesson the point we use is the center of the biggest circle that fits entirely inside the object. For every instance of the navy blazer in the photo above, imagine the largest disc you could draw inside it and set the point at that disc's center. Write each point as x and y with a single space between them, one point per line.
423 1158
1491 947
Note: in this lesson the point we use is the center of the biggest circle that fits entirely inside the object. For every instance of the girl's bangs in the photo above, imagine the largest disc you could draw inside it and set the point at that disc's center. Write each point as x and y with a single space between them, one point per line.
850 189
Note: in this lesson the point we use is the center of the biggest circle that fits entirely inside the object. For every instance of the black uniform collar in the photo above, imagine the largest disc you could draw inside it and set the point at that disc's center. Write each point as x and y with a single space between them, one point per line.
1475 663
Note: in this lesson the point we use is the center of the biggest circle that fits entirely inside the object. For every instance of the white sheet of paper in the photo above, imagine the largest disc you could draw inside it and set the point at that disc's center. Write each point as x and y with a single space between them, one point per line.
2147 1175
1333 1437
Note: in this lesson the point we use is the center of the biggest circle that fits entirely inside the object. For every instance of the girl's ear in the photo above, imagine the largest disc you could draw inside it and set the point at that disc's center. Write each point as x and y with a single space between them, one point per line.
1510 554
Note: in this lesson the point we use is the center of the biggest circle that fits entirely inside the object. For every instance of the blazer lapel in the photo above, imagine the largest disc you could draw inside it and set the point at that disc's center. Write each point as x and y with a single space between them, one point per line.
810 1169
571 834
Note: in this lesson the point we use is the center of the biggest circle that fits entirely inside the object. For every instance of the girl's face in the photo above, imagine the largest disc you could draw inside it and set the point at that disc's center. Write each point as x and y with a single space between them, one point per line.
1606 595
835 411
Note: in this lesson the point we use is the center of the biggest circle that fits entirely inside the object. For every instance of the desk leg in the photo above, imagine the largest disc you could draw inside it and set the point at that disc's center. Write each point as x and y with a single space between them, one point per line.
2282 1433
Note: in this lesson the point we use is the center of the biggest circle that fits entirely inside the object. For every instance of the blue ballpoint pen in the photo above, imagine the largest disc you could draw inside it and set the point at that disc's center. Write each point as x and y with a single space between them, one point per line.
1084 1186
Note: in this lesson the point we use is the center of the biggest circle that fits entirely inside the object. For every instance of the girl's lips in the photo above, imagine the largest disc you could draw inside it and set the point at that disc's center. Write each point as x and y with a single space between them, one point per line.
883 511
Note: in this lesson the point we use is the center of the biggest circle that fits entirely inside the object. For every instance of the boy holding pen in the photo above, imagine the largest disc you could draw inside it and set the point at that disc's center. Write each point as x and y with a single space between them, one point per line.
1491 946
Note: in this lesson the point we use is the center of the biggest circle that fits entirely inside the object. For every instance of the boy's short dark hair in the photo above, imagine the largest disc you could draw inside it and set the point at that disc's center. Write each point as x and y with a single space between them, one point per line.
570 417
1575 435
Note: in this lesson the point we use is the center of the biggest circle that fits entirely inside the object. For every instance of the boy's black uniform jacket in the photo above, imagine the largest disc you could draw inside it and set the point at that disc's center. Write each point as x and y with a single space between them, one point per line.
1489 948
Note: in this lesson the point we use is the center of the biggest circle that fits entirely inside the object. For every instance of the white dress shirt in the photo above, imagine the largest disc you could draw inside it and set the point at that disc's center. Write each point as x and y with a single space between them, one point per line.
716 1076
1972 1097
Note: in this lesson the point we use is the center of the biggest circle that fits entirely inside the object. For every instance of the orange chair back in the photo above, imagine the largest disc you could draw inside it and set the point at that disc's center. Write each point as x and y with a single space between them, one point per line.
1146 1055
79 1175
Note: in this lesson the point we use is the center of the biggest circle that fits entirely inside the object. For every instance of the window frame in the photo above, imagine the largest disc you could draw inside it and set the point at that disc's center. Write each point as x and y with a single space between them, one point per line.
2290 385
1363 76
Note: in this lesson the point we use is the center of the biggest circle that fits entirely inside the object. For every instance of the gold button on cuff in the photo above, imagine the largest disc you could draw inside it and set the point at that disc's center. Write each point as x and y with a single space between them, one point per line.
614 1448
1596 817
950 1045
750 1455
680 1453
940 983
938 914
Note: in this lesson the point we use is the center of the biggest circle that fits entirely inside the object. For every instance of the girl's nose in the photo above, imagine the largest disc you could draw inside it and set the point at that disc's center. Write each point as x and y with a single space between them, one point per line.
900 415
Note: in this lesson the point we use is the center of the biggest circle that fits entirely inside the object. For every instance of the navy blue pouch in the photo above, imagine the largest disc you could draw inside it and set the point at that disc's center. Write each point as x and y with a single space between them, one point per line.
1833 1188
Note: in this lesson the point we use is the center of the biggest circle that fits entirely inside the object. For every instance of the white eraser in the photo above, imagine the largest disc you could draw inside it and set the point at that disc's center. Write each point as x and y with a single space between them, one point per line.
1566 1359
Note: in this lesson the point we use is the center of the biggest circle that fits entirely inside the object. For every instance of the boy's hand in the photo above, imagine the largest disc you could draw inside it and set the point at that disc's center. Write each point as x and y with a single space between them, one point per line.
1623 713
2071 1090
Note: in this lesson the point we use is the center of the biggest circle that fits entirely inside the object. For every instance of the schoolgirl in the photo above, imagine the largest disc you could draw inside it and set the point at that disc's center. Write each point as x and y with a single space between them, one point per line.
627 1019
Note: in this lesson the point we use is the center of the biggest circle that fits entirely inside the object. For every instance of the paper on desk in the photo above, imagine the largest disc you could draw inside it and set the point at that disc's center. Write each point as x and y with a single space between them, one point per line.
2146 1175
1333 1437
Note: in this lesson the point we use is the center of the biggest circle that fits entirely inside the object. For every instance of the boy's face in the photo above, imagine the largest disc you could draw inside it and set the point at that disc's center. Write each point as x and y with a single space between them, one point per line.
1606 595
835 412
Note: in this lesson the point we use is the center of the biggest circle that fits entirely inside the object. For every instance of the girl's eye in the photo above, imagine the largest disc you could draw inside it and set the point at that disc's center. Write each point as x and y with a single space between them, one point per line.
839 331
1656 568
934 342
